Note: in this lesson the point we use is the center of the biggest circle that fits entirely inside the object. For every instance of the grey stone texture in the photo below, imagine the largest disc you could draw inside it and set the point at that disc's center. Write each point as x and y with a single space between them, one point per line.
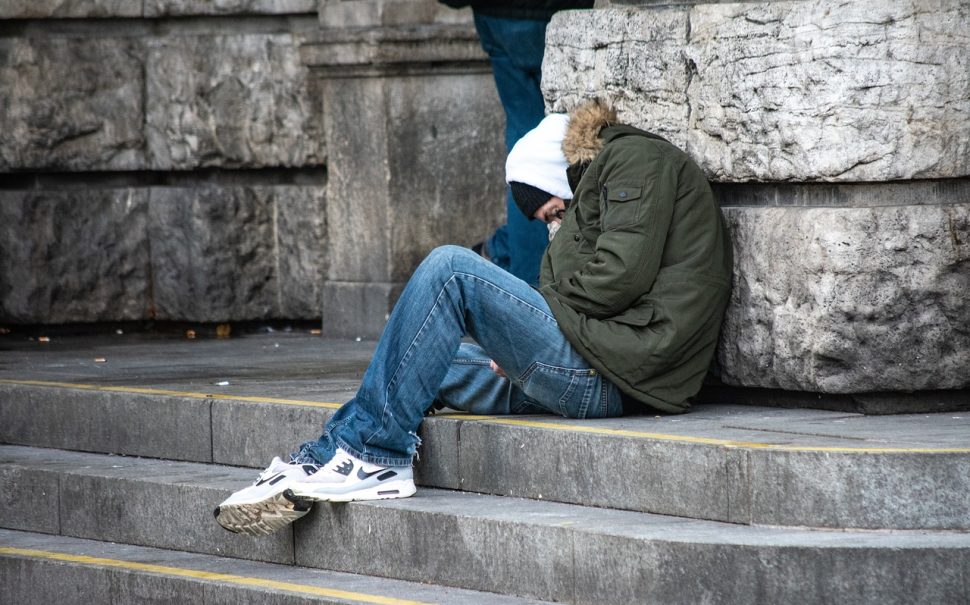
238 100
160 504
823 90
634 58
387 13
157 102
182 8
41 9
214 580
560 552
27 581
282 429
549 550
415 159
99 9
206 253
166 428
842 300
213 254
738 464
72 103
74 256
29 503
301 250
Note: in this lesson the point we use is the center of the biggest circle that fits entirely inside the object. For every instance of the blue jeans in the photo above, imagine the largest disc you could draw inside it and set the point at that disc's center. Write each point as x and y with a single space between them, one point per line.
420 360
515 48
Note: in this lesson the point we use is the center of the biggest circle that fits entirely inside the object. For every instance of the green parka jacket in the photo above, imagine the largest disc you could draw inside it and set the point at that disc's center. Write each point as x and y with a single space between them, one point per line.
639 274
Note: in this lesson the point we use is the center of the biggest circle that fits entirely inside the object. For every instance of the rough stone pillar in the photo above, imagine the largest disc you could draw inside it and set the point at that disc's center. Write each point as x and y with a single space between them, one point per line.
414 136
837 135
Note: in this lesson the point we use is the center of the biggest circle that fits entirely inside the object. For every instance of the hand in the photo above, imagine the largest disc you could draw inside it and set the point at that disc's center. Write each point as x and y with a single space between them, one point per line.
497 369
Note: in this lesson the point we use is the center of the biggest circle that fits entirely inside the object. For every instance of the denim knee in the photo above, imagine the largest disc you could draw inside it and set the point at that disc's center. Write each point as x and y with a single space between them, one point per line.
447 259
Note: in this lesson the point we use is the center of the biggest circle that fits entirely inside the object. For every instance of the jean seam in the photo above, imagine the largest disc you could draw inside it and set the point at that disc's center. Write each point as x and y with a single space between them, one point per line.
564 399
469 361
405 358
525 303
379 460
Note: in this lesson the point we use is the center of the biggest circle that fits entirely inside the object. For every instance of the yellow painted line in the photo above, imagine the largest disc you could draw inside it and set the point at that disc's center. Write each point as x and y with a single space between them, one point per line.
169 393
540 424
196 574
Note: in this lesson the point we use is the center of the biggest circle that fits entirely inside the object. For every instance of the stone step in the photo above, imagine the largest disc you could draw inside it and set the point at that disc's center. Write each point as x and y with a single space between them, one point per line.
739 464
40 568
522 547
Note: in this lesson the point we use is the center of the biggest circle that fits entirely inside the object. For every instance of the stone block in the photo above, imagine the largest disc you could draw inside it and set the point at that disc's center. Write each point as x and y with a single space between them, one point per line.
129 587
32 581
74 255
43 9
491 462
446 163
415 157
870 299
232 101
421 174
655 572
72 103
183 8
823 90
122 423
209 253
357 310
166 505
213 253
841 195
385 13
237 441
301 241
28 500
831 90
632 57
868 491
438 461
448 538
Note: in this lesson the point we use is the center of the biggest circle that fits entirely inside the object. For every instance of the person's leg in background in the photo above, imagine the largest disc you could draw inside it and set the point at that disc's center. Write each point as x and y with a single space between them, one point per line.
515 48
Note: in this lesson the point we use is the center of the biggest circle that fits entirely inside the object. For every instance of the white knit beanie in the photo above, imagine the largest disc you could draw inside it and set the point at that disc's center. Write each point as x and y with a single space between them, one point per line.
537 158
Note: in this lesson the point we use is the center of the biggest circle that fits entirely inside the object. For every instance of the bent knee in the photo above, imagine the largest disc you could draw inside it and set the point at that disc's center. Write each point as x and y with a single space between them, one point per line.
443 257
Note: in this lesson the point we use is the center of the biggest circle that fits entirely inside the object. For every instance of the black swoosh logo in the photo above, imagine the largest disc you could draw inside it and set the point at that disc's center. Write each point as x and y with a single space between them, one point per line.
271 480
362 475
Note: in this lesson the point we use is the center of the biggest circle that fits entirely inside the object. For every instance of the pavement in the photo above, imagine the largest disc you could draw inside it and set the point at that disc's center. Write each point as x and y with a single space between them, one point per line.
114 449
304 368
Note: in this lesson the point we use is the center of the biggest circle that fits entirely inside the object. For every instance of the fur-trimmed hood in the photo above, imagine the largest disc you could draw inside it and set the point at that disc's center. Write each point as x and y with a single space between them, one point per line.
582 142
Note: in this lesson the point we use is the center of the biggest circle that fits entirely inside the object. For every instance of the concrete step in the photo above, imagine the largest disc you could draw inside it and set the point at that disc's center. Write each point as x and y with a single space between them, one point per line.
39 568
529 548
738 464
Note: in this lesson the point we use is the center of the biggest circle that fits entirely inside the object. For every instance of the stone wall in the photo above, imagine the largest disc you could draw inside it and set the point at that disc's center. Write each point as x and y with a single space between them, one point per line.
416 150
169 160
837 135
159 168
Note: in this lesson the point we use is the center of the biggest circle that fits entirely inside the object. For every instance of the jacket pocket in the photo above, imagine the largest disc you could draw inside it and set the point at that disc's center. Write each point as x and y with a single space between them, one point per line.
620 206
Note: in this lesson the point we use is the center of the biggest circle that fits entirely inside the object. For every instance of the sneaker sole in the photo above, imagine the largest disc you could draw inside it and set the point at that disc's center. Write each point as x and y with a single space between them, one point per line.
261 518
385 491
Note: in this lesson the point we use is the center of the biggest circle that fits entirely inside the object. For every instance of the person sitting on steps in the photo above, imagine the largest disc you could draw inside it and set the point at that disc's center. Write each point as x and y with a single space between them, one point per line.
632 293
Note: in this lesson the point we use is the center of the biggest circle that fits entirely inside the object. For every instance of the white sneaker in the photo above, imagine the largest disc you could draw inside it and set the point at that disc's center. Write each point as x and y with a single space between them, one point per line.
347 478
261 508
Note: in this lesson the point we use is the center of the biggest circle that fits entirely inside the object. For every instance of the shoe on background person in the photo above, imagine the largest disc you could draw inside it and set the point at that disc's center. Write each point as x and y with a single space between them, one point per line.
346 478
261 508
